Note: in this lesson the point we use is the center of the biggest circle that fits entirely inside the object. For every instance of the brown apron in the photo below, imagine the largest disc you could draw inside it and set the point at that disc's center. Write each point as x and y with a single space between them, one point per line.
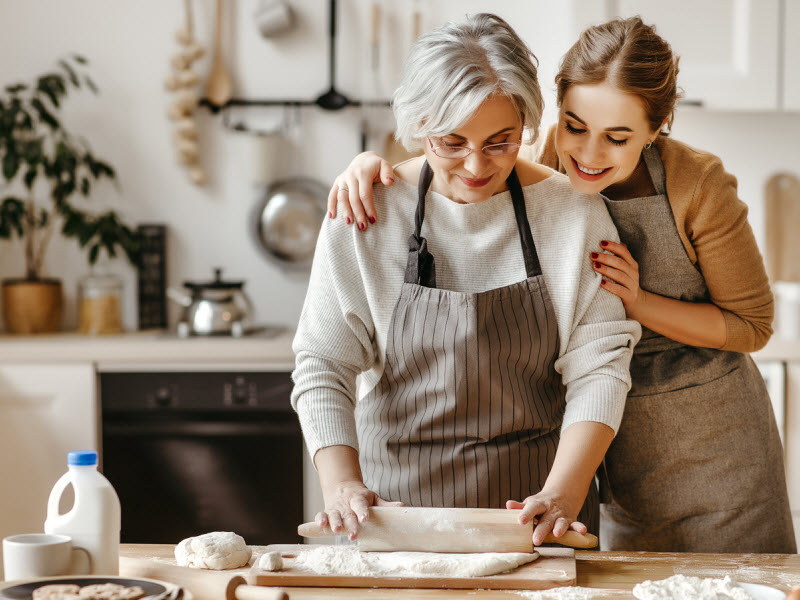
697 465
468 409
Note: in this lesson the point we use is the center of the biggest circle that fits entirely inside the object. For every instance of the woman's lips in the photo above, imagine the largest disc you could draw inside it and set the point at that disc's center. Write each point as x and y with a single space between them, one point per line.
588 176
474 183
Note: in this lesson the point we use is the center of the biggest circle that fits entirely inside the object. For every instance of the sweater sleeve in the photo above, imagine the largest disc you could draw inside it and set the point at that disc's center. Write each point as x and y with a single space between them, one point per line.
598 341
729 259
333 343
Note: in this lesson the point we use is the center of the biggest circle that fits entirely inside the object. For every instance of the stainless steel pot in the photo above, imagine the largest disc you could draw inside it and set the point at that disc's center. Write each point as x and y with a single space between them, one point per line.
288 219
213 308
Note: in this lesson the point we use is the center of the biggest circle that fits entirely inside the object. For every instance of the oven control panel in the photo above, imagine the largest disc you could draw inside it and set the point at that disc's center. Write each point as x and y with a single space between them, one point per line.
196 391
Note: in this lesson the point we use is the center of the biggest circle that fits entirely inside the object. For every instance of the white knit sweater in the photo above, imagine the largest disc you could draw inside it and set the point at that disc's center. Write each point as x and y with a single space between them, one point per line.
356 279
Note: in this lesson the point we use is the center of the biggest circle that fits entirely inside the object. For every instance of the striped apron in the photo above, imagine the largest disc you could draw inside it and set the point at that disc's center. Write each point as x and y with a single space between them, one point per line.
468 409
697 464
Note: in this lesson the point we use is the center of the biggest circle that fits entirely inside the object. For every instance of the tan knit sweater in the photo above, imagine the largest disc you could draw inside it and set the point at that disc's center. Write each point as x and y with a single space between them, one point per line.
712 224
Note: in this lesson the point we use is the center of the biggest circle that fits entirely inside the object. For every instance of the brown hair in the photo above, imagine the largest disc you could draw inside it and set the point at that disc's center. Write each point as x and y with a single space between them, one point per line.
631 56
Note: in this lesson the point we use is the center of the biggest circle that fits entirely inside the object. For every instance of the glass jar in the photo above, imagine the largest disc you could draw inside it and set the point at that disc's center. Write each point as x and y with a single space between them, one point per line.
100 304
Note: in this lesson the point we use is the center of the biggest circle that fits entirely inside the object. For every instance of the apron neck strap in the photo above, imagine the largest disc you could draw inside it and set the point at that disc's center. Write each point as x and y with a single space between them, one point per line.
421 267
655 168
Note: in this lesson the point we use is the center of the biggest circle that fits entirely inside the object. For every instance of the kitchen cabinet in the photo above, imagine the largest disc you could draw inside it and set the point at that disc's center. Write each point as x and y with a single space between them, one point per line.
46 410
734 54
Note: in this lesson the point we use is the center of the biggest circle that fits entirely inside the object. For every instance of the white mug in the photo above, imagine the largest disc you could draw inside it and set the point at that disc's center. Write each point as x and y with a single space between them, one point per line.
31 555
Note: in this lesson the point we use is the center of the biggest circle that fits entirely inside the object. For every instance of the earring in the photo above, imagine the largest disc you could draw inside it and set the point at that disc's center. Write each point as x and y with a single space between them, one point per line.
647 145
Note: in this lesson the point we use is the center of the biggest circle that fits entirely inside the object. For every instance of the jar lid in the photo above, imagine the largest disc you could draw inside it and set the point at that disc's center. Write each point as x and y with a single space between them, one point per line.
216 284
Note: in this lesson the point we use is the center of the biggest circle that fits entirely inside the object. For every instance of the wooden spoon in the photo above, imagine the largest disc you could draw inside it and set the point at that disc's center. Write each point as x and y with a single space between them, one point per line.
219 87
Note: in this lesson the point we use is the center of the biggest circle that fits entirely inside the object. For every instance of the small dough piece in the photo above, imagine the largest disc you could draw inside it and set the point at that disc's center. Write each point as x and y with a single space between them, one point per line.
57 592
271 561
217 550
110 591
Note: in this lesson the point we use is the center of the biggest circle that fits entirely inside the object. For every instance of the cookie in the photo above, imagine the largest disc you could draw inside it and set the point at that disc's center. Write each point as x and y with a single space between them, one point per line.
110 591
61 591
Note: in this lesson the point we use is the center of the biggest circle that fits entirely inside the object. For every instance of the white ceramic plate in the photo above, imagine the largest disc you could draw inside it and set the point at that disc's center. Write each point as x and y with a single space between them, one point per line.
762 592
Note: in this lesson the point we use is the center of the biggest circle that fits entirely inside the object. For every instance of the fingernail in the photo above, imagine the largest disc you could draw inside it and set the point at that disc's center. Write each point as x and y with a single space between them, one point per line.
602 282
604 243
362 226
597 265
330 215
594 255
391 179
348 220
372 219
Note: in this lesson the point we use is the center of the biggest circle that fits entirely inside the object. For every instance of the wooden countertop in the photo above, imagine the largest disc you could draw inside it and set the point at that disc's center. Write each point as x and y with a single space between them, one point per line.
611 574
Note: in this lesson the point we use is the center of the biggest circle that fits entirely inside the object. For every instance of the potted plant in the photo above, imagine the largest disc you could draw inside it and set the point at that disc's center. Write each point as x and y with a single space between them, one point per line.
47 169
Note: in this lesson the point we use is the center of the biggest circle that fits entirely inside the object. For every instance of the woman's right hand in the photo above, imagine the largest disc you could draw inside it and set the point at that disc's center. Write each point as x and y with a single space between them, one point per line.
351 192
347 506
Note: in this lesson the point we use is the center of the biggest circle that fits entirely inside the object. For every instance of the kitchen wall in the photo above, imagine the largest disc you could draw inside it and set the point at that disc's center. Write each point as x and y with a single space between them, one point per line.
129 45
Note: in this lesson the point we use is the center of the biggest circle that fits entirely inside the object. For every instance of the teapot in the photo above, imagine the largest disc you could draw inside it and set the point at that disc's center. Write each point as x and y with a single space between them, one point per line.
215 307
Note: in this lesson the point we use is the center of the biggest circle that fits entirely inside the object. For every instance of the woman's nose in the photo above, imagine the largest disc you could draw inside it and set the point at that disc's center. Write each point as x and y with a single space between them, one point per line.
593 151
475 163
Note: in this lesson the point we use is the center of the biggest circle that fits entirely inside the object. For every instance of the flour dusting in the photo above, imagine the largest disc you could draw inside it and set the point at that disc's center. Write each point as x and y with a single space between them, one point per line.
563 593
344 560
690 588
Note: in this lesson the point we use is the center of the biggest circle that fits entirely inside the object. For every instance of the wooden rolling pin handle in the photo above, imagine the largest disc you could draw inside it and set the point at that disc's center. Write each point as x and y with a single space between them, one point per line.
239 590
573 539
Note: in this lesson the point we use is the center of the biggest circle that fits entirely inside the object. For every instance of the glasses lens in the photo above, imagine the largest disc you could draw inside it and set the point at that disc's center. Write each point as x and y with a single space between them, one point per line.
500 149
451 151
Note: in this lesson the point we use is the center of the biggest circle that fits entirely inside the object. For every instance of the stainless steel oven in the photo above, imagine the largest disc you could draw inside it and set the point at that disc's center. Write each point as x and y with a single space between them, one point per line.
194 452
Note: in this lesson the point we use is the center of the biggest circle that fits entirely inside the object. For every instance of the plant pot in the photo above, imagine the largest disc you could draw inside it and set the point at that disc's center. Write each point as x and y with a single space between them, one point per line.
32 306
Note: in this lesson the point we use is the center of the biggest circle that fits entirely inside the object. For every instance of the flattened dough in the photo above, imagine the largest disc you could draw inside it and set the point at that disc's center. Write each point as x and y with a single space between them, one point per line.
217 550
110 591
346 560
57 591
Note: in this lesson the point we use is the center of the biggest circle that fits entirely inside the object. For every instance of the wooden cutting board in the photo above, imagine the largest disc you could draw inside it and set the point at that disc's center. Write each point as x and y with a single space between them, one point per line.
782 217
554 567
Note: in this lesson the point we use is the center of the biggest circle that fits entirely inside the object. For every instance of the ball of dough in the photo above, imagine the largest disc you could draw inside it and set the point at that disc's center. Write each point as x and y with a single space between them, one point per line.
217 550
271 561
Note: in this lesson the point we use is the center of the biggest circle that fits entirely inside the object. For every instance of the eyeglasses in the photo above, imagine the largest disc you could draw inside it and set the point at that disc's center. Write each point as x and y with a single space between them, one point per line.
492 150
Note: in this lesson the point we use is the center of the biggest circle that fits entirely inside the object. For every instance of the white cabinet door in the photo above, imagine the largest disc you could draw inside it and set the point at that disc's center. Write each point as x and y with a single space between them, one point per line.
791 56
729 49
46 410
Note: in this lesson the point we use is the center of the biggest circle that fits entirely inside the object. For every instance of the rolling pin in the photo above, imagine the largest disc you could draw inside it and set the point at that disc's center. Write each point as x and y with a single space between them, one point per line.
419 529
203 584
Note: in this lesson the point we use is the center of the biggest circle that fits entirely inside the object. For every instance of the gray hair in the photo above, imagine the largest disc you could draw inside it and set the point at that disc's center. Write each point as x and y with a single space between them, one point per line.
452 70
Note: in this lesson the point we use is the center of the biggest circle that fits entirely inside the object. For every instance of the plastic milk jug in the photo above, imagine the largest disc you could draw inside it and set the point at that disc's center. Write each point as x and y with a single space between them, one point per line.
95 519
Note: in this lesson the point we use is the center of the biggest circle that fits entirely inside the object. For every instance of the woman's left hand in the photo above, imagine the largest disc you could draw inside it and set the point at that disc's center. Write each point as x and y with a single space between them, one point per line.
551 512
620 273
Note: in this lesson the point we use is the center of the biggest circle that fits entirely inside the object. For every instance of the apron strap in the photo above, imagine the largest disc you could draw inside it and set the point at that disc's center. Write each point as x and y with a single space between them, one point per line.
532 266
420 266
655 167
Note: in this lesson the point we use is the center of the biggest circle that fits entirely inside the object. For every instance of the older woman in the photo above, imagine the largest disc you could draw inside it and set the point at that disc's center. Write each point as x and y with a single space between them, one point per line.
477 336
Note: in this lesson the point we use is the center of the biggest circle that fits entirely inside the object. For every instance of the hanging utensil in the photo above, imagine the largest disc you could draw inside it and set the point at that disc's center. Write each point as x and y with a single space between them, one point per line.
332 99
219 88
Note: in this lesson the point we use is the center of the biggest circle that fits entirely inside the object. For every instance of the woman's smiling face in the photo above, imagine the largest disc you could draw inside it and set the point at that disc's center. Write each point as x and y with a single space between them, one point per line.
601 133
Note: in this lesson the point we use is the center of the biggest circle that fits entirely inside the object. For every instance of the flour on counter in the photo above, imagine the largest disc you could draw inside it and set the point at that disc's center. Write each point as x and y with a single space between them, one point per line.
690 588
344 560
563 593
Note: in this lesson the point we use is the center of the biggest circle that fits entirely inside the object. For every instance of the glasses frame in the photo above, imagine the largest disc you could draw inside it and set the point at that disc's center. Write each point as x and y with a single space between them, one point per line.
471 150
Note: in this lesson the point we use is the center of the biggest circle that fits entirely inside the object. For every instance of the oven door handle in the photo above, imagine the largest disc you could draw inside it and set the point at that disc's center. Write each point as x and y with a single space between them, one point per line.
180 428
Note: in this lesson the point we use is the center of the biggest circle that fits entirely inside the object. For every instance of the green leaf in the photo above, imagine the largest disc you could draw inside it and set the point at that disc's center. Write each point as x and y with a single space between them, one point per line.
73 77
80 58
93 252
30 177
85 186
91 84
16 88
44 114
12 212
11 163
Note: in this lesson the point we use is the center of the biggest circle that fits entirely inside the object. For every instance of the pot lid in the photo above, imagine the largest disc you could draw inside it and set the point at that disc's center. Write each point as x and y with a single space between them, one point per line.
216 284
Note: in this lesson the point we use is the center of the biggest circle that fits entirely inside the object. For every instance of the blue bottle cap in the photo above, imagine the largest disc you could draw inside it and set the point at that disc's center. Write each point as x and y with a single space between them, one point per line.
82 457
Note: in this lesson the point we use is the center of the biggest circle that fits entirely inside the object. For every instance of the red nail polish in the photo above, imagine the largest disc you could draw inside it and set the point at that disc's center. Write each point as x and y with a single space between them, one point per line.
348 220
372 219
594 255
604 243
602 282
330 215
362 226
597 265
